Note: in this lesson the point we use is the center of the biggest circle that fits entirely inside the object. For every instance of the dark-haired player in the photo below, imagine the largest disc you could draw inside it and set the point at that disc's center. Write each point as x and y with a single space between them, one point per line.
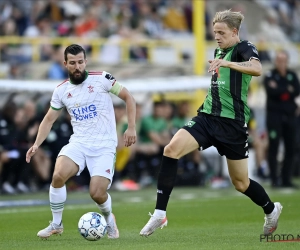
86 97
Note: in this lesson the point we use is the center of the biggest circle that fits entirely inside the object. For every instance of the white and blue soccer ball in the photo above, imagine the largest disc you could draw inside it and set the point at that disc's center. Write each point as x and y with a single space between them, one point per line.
92 226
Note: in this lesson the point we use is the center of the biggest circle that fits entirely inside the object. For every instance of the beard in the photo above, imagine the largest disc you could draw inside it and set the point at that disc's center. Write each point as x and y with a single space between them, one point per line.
77 79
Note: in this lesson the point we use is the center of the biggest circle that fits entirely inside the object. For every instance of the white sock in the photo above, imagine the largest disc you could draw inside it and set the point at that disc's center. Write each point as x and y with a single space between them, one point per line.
106 209
57 198
159 213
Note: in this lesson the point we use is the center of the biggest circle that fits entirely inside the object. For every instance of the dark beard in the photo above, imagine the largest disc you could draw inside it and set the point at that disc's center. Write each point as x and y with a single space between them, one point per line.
77 80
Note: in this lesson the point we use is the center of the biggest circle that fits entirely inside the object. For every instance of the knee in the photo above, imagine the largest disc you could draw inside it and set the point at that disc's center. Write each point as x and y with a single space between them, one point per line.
58 180
171 151
240 185
99 196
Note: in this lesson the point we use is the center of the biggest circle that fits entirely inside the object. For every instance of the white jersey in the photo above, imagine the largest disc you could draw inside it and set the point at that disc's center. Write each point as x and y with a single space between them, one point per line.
91 109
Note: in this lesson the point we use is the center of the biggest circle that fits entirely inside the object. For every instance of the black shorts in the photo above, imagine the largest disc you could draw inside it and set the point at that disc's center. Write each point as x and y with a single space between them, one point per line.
229 136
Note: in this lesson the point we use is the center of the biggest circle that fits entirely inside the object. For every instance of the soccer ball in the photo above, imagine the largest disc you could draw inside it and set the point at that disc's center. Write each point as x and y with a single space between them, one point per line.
92 226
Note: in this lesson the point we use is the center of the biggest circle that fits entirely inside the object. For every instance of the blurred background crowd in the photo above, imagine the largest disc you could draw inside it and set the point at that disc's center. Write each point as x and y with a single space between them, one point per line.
128 23
130 39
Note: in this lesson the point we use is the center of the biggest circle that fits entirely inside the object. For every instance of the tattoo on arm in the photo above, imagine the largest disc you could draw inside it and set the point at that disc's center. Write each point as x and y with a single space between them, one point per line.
245 64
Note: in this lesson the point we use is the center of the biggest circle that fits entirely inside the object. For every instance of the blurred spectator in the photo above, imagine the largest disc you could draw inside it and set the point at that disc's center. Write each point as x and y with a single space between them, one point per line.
21 19
209 33
153 136
282 88
15 71
109 12
295 21
153 26
188 173
72 8
270 30
40 28
87 24
111 51
174 17
54 12
188 13
57 70
243 31
257 144
41 165
9 28
13 140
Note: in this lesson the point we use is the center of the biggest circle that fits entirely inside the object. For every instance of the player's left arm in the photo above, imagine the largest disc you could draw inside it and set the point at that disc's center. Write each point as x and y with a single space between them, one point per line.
114 87
250 66
124 94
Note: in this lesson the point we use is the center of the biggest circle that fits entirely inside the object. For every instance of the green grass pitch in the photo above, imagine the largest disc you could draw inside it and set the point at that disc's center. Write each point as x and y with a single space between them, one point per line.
199 218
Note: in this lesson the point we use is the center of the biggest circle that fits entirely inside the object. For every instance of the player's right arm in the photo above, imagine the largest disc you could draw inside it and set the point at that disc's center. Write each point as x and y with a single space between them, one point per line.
43 131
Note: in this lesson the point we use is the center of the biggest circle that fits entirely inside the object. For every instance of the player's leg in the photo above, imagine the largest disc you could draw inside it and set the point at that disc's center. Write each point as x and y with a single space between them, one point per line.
181 144
101 169
238 171
64 169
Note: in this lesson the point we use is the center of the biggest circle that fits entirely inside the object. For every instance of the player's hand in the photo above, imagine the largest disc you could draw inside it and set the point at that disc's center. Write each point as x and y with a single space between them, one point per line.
217 63
31 152
129 137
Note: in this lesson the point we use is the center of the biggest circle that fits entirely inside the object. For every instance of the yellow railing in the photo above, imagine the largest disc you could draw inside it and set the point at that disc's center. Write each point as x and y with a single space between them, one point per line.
95 44
125 45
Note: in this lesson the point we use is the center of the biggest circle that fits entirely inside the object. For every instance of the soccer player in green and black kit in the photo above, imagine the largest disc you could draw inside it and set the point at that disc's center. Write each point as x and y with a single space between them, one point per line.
221 122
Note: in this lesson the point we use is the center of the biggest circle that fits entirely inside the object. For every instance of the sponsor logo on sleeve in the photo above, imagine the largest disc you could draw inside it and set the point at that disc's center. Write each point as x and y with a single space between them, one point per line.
110 78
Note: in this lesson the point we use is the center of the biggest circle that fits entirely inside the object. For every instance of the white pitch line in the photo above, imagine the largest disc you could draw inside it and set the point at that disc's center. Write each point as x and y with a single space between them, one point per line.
187 196
135 199
203 198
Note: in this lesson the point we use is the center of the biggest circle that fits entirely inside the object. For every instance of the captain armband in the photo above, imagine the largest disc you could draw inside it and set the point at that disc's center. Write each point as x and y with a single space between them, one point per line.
116 89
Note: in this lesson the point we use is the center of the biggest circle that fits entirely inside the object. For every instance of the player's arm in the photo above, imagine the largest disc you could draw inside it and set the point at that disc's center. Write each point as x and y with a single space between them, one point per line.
130 106
252 67
117 89
124 94
43 131
130 133
250 64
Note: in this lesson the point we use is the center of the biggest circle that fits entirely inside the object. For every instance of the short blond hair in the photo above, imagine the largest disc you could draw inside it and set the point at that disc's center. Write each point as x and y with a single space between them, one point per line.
231 18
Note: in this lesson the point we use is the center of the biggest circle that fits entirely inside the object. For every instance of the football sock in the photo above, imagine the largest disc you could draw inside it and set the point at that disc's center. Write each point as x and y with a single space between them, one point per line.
159 213
57 197
259 196
106 209
166 181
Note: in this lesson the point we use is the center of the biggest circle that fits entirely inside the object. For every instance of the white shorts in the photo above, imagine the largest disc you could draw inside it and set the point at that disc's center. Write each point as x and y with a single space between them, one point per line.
100 162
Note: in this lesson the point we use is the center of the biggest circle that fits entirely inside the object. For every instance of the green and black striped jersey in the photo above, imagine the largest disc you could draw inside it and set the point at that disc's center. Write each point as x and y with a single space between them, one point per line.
228 92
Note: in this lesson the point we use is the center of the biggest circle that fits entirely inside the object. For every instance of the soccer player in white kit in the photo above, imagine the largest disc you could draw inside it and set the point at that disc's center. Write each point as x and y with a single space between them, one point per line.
86 97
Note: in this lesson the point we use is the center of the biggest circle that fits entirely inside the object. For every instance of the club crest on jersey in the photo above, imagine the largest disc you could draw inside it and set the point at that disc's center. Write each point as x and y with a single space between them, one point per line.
91 88
190 124
69 95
